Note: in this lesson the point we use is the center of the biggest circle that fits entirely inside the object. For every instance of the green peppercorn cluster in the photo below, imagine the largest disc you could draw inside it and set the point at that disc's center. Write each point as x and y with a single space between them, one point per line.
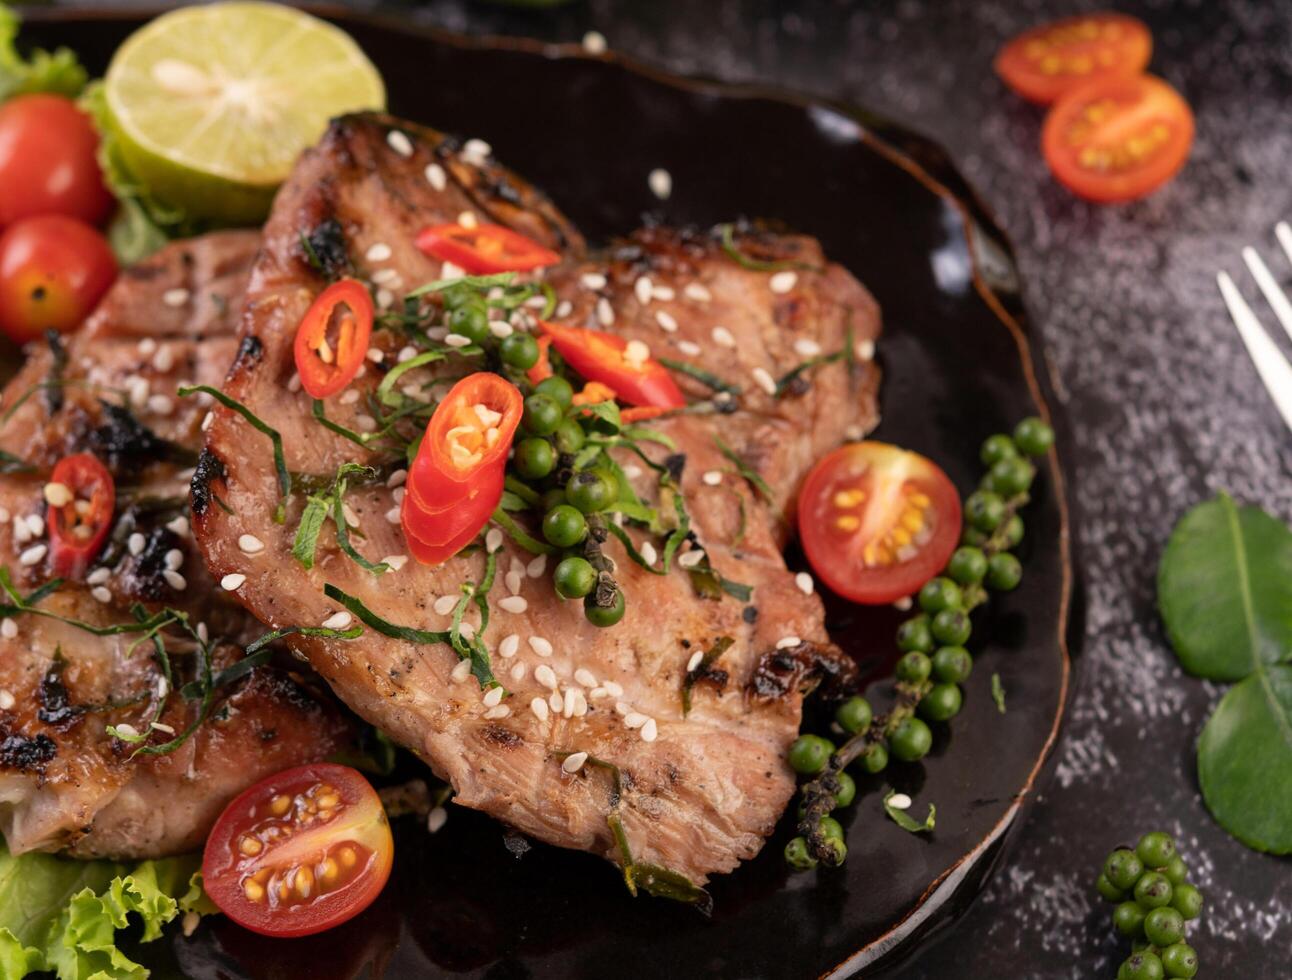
1150 885
934 662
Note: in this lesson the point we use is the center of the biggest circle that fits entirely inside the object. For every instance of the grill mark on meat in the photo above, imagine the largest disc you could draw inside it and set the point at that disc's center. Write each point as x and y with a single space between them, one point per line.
127 444
249 352
209 468
27 755
58 362
503 738
327 244
56 708
144 577
799 669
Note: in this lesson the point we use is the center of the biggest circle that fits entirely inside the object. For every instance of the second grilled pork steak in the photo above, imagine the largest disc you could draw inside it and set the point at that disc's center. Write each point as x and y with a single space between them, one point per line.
65 782
699 791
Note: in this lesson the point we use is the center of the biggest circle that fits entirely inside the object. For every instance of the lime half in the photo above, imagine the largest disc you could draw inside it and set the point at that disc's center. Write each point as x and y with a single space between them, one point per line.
212 104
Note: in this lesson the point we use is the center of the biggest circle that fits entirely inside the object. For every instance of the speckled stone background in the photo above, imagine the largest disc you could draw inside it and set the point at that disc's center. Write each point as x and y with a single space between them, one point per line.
1165 407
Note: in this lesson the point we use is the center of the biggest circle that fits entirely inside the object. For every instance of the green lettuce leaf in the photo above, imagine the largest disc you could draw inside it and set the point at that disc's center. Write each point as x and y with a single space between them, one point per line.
62 916
58 72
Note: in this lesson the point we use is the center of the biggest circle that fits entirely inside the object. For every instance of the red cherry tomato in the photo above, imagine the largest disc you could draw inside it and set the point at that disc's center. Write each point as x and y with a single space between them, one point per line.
484 249
53 271
48 163
79 526
1051 60
332 339
606 357
877 522
299 852
1118 139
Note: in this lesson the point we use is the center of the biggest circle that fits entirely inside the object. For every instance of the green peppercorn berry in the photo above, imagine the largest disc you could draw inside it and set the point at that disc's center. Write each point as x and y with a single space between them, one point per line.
1179 960
914 667
1123 868
1164 927
1153 891
535 458
1187 900
968 565
1143 965
809 754
470 320
1033 437
911 740
797 855
914 634
942 702
574 577
551 499
997 447
853 715
1155 849
519 350
874 759
838 848
564 526
951 665
603 616
542 415
1011 477
590 491
940 593
831 828
568 436
971 537
557 389
985 510
1128 918
1004 572
1108 890
847 790
456 296
1176 871
1013 531
951 627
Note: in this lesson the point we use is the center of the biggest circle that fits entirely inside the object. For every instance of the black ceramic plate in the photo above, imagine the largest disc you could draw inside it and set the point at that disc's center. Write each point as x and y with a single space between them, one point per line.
957 367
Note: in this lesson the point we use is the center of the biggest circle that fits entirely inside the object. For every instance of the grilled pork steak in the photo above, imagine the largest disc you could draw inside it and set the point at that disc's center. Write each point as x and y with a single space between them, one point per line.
700 790
64 782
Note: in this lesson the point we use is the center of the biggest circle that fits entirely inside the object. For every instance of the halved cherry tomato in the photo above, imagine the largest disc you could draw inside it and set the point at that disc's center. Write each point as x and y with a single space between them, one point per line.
1051 60
53 271
608 358
1119 138
332 339
456 479
877 522
48 161
484 249
79 526
299 852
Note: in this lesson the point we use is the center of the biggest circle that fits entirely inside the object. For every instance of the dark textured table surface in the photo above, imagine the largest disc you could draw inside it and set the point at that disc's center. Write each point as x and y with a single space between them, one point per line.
1165 407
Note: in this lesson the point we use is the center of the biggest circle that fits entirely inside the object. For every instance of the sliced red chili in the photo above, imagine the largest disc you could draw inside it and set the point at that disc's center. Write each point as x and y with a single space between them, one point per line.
456 479
641 413
81 517
609 359
332 339
484 249
542 369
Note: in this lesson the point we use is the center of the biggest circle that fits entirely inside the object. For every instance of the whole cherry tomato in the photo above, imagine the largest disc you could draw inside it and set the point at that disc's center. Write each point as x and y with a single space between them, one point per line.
48 163
53 271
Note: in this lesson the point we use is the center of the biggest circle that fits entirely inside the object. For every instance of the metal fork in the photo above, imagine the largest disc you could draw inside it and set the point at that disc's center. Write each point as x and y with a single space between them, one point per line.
1273 367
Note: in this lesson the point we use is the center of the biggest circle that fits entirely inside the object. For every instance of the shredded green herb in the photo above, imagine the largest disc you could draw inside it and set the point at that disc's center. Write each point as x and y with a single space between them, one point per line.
904 819
744 469
280 464
720 646
520 535
706 378
728 232
469 282
998 693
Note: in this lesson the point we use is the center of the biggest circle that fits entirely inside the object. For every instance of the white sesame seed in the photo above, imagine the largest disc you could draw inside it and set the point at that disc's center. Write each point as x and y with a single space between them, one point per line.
632 471
783 282
513 581
598 692
540 645
688 347
294 383
400 143
36 525
160 405
396 562
385 298
385 277
450 271
507 648
585 677
174 579
147 347
365 422
457 340
6 701
203 633
660 182
613 688
501 711
164 360
723 338
101 593
250 544
556 702
665 320
174 559
515 604
492 697
377 252
593 280
397 478
785 642
175 297
899 801
807 347
536 302
536 566
664 294
635 719
697 292
233 581
501 329
903 604
337 621
8 628
58 494
865 350
622 708
435 176
468 219
476 151
696 659
392 515
33 555
642 289
571 703
21 532
574 762
518 670
98 576
127 730
691 558
545 676
764 380
539 707
712 478
594 42
444 604
406 353
493 540
178 525
605 312
436 819
650 731
648 553
460 672
804 581
636 353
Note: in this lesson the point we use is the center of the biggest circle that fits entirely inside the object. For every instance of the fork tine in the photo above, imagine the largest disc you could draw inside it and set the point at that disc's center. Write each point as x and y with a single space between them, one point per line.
1284 234
1271 365
1277 299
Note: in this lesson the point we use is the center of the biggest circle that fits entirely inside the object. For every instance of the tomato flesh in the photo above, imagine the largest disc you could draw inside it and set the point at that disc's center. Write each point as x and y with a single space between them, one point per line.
1118 139
877 521
48 161
332 339
79 526
1051 60
299 852
53 271
484 249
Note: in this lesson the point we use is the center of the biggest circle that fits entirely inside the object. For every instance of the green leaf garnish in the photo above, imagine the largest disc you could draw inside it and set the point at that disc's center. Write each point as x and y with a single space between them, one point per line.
470 282
744 469
728 233
520 535
306 540
998 693
706 378
280 464
904 819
